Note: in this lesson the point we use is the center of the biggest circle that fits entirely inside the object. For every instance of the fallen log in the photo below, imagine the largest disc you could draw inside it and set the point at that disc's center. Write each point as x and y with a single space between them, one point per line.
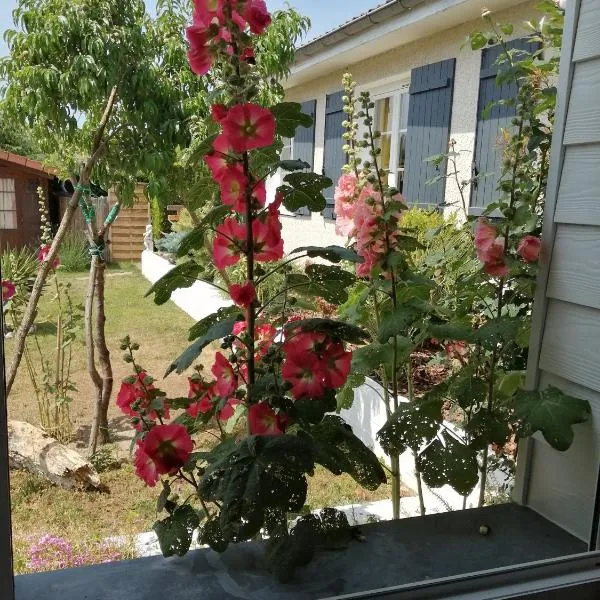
33 450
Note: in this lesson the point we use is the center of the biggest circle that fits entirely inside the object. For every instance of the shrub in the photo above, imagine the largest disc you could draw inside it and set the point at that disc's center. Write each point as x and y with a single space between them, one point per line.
74 254
159 219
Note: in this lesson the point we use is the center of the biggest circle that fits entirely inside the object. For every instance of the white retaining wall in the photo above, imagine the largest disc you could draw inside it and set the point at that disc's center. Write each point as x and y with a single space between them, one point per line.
198 301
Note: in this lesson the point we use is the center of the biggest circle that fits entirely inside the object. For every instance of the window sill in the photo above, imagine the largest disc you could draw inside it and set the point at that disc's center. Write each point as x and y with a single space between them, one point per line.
420 549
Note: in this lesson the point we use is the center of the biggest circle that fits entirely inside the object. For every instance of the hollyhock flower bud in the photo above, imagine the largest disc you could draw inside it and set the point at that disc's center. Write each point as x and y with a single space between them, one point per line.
8 290
168 446
249 126
263 420
257 15
529 248
243 295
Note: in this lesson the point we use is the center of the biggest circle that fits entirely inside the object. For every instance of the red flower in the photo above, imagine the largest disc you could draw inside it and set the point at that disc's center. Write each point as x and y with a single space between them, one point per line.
337 364
304 341
43 254
243 295
168 446
204 393
249 126
218 112
145 468
8 290
529 248
233 184
248 55
218 159
205 11
134 392
227 243
490 249
199 56
263 420
266 231
304 371
228 410
497 268
204 405
265 334
226 382
257 15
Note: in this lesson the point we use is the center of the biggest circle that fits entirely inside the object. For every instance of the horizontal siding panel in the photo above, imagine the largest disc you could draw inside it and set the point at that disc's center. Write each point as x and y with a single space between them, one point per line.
587 43
562 484
579 192
583 118
571 343
575 269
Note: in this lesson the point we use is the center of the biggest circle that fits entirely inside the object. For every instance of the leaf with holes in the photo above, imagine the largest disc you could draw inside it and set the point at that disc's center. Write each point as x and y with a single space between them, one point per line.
304 190
183 275
175 532
330 327
345 395
202 326
552 412
289 117
293 165
329 282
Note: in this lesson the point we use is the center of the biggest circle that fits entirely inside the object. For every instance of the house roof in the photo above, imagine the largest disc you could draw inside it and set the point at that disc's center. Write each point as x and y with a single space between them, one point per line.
26 163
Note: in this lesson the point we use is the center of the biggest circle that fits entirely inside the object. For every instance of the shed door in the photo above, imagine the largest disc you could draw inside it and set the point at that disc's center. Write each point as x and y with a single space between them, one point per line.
489 142
334 157
304 143
429 115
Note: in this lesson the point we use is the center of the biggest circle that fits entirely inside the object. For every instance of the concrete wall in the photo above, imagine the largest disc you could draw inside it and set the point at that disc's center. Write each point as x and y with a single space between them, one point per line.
385 72
198 301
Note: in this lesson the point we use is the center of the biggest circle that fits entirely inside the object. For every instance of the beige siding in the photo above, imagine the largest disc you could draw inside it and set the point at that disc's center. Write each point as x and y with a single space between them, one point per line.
565 349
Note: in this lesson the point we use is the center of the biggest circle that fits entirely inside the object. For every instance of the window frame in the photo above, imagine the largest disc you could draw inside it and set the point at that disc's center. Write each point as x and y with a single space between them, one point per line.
6 194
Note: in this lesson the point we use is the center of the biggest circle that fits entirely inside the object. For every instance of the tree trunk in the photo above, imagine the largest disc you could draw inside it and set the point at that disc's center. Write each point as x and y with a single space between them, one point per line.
33 450
30 313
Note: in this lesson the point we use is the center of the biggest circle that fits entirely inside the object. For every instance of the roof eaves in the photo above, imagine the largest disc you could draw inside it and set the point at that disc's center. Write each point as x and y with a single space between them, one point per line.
28 163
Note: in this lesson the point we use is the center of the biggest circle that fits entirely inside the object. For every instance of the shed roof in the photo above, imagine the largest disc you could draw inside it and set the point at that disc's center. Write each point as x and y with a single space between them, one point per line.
26 163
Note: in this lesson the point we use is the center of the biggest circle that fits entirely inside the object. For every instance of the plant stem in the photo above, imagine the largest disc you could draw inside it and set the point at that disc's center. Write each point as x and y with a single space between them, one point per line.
411 398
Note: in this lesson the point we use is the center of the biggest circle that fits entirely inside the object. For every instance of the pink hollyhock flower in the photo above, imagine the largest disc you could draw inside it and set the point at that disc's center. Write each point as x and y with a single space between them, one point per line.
496 268
346 189
305 341
203 406
346 192
199 56
145 467
168 446
217 160
266 231
337 364
248 54
259 193
257 15
226 382
489 246
243 295
304 371
458 351
228 410
204 394
8 290
205 11
263 420
265 335
43 253
233 184
218 112
130 392
249 126
230 238
529 248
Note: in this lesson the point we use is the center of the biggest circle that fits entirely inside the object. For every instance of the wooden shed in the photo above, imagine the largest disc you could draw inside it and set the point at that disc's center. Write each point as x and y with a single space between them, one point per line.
19 214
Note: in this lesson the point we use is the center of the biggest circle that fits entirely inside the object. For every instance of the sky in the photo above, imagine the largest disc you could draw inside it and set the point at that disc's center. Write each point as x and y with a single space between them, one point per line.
324 14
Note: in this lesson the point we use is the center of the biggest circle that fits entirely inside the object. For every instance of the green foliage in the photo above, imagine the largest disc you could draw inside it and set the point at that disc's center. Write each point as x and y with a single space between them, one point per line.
170 243
304 190
175 532
333 254
330 327
19 265
289 117
159 219
74 254
17 138
184 275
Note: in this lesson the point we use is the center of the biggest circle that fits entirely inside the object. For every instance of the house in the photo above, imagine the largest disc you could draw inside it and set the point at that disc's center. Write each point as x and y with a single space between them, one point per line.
19 212
428 87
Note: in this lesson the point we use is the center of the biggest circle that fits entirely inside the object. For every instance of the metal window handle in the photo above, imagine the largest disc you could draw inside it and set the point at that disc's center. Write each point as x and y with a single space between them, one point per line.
474 174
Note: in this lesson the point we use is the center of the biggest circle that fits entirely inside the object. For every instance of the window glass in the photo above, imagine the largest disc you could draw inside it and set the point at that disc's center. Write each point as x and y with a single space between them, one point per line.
8 204
286 151
383 124
403 100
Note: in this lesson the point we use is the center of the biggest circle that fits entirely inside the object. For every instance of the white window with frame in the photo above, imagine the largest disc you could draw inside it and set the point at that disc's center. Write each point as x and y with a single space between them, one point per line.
8 204
391 120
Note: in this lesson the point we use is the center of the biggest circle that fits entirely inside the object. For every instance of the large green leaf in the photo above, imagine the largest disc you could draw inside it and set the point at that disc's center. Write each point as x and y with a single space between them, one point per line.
183 275
289 117
260 474
345 395
331 253
330 327
293 165
449 462
330 282
340 451
304 190
397 322
202 326
175 532
552 412
215 332
498 331
411 425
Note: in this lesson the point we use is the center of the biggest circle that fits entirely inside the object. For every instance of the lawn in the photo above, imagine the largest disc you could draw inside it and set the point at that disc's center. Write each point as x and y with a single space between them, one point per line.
125 506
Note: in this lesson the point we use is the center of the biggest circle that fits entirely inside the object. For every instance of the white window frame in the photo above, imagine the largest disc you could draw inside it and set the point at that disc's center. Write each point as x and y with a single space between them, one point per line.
6 193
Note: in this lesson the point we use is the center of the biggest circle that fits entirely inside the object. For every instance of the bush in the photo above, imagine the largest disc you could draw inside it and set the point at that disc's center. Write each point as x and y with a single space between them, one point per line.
74 254
168 244
159 219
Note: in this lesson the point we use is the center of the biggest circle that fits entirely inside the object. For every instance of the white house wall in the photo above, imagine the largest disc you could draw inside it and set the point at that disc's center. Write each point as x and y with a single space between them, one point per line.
387 70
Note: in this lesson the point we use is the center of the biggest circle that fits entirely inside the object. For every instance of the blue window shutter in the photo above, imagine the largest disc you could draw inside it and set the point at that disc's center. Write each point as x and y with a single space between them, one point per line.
304 144
334 157
429 116
488 154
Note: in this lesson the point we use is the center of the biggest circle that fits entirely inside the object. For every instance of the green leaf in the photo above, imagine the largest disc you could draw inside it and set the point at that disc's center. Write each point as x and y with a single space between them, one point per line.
449 462
336 329
183 275
511 382
552 412
397 323
194 240
485 429
201 327
331 253
507 28
175 532
452 331
215 332
260 474
330 282
340 451
293 165
478 40
498 331
345 395
411 425
304 190
212 535
289 117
